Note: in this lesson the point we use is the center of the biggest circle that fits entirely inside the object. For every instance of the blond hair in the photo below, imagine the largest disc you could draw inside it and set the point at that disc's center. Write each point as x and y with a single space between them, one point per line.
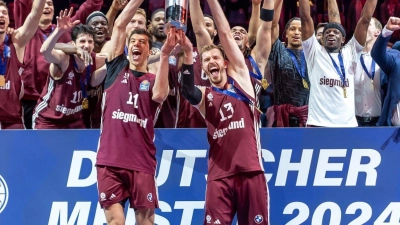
208 48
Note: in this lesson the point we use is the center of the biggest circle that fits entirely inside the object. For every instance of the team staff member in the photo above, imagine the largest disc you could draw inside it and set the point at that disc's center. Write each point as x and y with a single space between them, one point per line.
12 64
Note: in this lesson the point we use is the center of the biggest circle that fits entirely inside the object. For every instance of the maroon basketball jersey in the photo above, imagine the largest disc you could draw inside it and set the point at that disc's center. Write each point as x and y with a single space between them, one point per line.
12 91
61 100
233 133
36 67
127 131
189 116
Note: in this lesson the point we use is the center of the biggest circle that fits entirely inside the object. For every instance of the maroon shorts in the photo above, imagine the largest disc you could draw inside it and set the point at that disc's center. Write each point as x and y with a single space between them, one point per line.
245 194
115 185
43 124
6 126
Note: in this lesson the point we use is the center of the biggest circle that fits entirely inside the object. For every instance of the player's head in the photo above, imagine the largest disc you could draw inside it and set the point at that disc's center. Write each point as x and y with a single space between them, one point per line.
139 45
334 36
137 22
241 37
214 64
319 31
374 29
293 33
156 26
48 12
4 17
99 22
82 36
210 26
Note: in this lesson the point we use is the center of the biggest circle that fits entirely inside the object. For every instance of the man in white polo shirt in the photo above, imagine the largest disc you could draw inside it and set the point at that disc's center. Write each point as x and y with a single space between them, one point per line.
368 80
331 68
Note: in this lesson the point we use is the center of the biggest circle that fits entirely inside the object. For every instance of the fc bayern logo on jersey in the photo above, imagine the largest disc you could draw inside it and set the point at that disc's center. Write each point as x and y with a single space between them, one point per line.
3 194
145 85
150 197
258 219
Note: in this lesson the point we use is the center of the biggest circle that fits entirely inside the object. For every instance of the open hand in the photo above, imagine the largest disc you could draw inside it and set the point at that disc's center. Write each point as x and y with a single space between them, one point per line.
184 42
393 24
172 39
64 20
85 56
118 4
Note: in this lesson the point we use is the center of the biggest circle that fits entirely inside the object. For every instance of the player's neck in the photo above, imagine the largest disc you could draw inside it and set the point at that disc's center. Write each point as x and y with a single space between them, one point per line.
2 37
44 24
369 45
140 68
98 46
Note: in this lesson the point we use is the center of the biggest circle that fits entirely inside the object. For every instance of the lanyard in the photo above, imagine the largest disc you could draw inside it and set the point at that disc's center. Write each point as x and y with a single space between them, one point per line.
84 81
258 76
45 36
371 76
126 50
301 68
343 73
4 59
234 92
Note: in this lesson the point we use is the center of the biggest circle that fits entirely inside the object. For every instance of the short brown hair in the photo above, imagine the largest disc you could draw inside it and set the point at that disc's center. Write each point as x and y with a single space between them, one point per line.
208 48
141 12
378 24
3 3
143 32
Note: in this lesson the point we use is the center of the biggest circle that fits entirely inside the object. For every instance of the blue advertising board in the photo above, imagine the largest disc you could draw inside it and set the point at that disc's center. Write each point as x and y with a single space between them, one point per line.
316 176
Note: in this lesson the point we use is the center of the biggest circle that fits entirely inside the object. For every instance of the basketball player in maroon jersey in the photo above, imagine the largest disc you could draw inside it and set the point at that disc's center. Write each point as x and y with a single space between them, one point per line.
36 67
236 181
12 64
61 102
126 161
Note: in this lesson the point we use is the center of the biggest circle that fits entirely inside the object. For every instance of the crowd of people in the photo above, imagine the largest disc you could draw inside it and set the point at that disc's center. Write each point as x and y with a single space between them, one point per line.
127 76
289 94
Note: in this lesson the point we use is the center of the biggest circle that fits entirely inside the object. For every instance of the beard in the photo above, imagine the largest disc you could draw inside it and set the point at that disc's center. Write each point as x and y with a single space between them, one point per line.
158 34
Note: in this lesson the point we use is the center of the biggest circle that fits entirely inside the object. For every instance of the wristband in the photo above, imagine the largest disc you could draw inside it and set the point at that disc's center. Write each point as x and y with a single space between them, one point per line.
267 15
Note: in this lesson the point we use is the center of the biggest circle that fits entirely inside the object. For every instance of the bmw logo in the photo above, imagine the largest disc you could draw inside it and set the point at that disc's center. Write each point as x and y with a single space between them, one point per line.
3 193
258 219
150 197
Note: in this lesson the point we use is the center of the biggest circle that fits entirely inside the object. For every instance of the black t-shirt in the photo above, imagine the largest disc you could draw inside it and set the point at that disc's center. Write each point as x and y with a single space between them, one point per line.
288 84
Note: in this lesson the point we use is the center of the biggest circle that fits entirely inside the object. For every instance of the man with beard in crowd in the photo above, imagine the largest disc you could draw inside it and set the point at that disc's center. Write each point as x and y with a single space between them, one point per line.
36 68
156 29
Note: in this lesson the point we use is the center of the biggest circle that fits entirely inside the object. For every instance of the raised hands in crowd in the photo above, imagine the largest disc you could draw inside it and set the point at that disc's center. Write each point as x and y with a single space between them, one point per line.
291 69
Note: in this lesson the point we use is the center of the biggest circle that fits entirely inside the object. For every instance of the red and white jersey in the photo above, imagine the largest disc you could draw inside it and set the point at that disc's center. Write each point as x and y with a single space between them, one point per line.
233 134
129 113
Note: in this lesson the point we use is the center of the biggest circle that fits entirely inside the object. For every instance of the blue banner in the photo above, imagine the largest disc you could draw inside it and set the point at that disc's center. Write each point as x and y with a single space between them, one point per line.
316 176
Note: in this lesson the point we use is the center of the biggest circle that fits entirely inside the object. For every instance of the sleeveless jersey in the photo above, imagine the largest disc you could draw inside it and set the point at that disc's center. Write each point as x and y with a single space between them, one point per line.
61 100
233 134
129 113
12 91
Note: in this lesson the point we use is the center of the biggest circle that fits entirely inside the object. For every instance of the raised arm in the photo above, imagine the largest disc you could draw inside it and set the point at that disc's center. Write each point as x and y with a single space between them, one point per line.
23 34
86 9
161 87
254 23
232 51
21 11
199 26
118 37
360 33
263 47
275 21
116 6
307 23
52 56
379 51
333 12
